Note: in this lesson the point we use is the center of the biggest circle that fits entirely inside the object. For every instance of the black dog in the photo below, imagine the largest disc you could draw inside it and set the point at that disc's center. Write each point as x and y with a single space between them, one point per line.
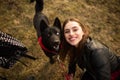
49 37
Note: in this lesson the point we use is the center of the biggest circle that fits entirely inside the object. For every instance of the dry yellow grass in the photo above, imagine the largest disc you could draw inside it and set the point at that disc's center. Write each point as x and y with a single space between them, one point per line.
16 18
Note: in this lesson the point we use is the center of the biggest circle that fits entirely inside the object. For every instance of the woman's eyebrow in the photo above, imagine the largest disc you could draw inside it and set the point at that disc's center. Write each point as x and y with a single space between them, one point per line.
74 27
67 29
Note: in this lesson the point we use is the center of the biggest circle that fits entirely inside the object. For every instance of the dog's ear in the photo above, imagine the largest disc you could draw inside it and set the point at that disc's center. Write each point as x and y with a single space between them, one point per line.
43 25
57 23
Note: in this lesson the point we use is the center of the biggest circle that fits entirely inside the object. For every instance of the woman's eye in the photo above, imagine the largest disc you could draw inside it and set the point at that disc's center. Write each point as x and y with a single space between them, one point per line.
75 30
66 31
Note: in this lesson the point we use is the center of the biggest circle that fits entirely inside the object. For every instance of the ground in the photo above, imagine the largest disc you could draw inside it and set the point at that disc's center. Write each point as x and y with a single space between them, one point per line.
16 18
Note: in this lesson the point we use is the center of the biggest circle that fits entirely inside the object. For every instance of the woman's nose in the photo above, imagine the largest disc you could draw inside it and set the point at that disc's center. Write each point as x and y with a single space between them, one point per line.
71 33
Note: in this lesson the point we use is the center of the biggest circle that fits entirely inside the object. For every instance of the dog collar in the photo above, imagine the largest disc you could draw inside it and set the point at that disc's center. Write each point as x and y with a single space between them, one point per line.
43 47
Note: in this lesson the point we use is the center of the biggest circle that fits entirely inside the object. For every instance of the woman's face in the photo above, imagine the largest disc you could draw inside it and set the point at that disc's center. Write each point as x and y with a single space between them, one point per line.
73 33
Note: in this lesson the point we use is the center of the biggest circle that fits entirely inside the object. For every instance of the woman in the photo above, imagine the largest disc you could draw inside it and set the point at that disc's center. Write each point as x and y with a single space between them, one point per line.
98 61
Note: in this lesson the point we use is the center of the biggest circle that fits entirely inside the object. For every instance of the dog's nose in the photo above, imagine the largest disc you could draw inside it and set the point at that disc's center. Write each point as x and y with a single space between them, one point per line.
56 43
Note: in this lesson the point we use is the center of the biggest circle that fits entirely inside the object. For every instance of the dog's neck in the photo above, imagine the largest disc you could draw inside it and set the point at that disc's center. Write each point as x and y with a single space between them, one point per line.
43 47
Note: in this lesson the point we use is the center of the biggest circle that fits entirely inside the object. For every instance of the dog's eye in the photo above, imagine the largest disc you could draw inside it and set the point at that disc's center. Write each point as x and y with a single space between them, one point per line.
57 33
48 35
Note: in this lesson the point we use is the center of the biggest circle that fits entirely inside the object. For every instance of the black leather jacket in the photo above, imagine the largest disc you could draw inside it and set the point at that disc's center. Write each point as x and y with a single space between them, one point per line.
98 60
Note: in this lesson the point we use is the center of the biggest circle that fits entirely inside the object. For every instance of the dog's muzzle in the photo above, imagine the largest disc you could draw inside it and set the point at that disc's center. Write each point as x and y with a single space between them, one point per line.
56 45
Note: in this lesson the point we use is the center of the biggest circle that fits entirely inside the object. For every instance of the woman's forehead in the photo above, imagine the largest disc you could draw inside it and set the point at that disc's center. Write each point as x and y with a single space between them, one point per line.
72 24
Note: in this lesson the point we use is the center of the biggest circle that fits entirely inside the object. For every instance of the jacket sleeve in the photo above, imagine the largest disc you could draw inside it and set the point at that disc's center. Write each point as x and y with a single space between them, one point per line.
101 64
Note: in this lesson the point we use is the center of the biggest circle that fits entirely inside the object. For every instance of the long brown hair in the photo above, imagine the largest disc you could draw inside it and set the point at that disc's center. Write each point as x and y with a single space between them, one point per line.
66 47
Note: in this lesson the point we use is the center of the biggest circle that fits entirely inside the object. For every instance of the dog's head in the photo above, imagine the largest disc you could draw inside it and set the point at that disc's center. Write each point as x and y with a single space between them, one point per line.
51 35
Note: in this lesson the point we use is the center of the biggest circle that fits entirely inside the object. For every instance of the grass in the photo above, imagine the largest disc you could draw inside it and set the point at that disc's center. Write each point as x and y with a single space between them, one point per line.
16 18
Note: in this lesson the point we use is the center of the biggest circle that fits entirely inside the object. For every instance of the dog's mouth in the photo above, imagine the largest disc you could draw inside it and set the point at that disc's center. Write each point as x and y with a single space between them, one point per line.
56 46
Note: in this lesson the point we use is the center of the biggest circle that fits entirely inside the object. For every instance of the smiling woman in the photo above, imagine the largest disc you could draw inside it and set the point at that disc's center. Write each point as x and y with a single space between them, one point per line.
92 56
73 33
